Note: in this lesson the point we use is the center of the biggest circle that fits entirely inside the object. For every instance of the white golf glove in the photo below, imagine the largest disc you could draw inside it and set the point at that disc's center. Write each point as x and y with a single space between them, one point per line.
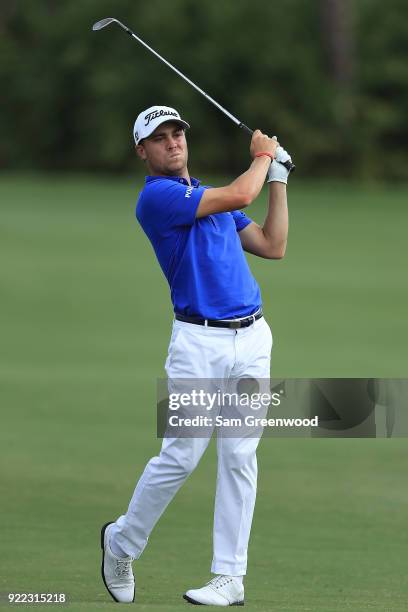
277 171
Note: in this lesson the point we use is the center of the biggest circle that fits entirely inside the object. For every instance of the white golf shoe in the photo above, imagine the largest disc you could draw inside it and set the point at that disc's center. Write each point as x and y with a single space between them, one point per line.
116 571
220 591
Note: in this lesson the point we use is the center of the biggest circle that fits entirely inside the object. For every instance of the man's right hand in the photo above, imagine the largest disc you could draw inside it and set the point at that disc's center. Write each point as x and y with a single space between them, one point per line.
243 191
261 143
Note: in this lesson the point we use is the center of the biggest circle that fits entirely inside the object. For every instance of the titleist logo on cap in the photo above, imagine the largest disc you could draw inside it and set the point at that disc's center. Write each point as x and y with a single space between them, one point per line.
159 113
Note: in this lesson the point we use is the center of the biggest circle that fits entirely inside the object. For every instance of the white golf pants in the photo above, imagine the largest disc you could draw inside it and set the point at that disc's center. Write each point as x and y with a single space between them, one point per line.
212 353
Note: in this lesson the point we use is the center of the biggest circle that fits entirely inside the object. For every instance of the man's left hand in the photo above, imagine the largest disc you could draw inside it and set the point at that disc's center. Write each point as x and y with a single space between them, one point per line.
277 171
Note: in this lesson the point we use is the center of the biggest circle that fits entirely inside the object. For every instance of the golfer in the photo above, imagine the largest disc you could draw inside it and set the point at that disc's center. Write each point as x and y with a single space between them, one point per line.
199 235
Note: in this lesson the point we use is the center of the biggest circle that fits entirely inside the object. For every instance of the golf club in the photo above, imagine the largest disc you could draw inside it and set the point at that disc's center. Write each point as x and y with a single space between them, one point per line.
105 22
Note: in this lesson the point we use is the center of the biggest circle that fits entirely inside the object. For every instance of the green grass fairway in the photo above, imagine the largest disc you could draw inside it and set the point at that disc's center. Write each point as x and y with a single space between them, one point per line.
85 322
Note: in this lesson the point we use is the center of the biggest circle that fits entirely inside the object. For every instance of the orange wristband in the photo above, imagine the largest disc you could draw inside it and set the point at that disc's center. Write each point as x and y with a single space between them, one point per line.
264 153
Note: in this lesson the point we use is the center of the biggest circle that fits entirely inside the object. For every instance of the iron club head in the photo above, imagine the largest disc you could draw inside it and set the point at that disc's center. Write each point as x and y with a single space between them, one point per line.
102 23
107 21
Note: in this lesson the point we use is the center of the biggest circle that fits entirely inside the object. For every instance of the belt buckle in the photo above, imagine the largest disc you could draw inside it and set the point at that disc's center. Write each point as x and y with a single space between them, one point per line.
235 324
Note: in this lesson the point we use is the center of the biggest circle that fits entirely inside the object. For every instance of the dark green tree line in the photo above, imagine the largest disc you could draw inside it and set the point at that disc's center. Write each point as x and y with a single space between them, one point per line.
328 76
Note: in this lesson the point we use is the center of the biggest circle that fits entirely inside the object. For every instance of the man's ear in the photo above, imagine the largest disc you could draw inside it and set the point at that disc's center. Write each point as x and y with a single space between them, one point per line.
140 150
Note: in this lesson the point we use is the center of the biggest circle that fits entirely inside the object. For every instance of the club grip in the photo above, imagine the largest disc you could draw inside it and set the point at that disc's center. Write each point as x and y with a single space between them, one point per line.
290 166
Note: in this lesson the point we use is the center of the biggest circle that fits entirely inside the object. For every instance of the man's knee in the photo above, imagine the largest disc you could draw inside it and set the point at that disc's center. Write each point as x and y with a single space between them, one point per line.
183 461
238 457
186 465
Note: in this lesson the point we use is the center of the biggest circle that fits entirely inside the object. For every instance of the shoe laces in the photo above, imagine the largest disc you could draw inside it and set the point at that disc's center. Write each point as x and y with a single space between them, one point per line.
220 581
123 567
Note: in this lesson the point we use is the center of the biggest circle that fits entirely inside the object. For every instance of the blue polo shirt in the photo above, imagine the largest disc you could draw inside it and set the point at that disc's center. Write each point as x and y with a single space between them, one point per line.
202 258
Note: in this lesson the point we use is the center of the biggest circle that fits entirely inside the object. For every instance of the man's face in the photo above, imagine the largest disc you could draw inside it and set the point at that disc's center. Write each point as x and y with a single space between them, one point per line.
165 151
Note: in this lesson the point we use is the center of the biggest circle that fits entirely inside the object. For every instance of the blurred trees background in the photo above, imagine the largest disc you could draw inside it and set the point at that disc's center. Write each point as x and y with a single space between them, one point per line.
330 77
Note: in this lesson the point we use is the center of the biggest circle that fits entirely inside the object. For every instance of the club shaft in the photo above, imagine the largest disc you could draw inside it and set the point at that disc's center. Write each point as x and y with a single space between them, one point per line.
289 165
183 76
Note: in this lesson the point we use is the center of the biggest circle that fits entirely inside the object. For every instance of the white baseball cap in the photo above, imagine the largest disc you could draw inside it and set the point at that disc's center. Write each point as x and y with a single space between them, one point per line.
151 118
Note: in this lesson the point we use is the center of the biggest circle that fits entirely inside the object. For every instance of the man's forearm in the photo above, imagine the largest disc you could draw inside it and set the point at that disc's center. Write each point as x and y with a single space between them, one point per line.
276 225
252 181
